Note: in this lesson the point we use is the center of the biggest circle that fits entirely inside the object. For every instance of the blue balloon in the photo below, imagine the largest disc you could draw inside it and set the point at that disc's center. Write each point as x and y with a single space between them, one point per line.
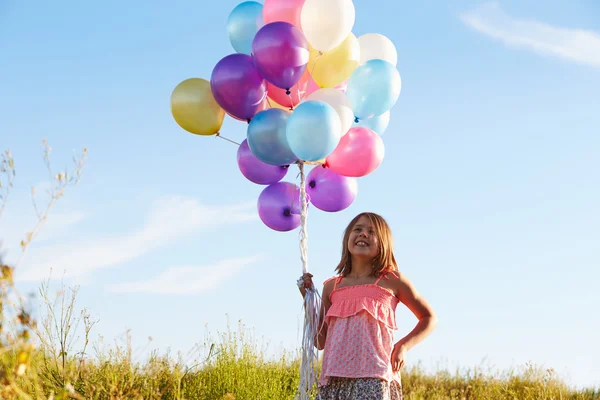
377 124
244 21
267 137
313 130
373 88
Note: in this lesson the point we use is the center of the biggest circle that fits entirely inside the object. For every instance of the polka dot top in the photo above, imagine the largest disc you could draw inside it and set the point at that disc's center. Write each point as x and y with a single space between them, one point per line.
360 332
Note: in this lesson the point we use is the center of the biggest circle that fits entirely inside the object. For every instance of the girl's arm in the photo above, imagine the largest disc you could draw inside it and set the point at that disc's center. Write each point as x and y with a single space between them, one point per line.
325 304
409 296
321 335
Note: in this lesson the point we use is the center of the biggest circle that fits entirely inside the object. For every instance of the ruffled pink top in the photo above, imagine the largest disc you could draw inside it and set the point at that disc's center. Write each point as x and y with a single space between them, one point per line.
360 333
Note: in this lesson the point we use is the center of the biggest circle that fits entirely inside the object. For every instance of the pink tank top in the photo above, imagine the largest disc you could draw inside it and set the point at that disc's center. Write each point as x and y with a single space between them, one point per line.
360 333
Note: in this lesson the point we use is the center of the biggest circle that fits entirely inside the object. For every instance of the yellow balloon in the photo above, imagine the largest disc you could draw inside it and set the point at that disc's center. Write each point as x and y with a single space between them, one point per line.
195 109
333 67
273 104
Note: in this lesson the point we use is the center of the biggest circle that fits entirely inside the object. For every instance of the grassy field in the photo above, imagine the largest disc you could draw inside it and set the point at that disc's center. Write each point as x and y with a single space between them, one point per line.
234 367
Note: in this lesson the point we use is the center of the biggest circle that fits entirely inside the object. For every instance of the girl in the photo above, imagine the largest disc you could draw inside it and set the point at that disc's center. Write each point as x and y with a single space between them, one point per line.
360 360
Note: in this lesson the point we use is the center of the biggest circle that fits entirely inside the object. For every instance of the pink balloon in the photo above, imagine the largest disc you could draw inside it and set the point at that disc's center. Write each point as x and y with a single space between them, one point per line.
283 10
359 153
298 92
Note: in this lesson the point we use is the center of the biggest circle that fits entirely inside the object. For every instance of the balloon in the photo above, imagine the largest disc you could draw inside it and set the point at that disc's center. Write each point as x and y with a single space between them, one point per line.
313 130
337 65
359 153
280 53
264 105
330 191
340 104
297 92
267 137
312 86
326 23
283 10
195 109
243 23
374 46
376 124
279 206
373 88
274 105
238 87
257 171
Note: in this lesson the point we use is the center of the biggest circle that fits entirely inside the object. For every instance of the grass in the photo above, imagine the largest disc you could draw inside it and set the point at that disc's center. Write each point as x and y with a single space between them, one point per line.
235 367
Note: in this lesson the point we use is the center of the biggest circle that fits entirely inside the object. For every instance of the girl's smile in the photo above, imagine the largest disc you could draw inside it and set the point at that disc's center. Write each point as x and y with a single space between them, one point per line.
363 241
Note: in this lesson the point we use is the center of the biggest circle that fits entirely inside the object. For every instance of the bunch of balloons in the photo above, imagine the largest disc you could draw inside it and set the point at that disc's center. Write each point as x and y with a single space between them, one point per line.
311 92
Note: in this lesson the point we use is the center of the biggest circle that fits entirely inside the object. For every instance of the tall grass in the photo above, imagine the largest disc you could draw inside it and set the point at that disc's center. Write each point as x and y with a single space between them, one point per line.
235 367
39 359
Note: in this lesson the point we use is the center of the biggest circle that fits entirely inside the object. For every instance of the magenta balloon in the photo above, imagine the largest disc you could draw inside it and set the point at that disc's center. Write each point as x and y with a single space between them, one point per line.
279 206
330 191
257 171
238 87
280 53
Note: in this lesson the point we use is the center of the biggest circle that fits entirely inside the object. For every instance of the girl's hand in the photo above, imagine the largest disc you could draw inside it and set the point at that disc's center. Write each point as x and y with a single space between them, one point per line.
398 357
308 283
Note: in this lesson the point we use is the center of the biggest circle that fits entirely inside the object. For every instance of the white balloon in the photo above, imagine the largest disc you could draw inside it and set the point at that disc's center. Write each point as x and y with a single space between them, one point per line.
340 103
326 23
374 46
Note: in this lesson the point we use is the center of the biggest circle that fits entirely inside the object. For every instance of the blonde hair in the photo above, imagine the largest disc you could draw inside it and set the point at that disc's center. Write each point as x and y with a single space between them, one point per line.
385 261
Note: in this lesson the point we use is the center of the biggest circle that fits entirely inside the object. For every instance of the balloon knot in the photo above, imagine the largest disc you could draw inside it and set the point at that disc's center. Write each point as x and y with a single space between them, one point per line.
287 212
248 120
312 184
356 120
287 91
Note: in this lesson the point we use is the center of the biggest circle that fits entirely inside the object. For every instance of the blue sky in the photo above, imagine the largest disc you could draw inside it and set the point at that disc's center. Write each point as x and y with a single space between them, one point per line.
490 177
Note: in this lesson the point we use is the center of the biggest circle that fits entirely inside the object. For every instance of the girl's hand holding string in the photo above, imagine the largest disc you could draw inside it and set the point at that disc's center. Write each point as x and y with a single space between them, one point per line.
305 282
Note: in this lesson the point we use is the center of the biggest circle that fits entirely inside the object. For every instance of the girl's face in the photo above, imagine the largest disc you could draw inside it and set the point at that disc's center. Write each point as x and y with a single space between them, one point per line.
363 241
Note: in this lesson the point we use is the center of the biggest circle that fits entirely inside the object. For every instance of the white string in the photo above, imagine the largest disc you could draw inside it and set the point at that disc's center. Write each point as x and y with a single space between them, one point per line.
312 306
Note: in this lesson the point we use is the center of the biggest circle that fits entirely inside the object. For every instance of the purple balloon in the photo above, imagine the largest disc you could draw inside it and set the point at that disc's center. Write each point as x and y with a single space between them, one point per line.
280 53
257 171
279 206
330 191
238 87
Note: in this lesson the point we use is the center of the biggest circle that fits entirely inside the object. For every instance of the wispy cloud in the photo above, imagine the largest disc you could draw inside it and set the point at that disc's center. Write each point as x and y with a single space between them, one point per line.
168 219
188 279
574 45
15 225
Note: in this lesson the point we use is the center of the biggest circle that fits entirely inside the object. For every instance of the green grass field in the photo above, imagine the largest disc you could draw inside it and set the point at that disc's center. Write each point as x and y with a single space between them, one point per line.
233 366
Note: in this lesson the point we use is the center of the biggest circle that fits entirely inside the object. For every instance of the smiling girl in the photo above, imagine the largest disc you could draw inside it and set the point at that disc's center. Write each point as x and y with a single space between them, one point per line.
360 358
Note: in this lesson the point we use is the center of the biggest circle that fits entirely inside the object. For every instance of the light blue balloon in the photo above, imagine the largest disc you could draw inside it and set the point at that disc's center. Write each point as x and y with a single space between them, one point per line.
267 137
313 130
244 21
373 88
377 124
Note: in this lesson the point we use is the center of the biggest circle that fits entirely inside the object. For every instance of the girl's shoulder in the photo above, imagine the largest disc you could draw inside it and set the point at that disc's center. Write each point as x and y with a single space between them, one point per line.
329 283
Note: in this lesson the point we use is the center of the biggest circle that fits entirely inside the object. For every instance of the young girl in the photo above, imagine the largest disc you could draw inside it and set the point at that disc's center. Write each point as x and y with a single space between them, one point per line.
360 360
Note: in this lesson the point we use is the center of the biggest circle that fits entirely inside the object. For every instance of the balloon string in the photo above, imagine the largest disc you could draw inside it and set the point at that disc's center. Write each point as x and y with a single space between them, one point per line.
315 64
303 217
229 140
312 305
302 92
